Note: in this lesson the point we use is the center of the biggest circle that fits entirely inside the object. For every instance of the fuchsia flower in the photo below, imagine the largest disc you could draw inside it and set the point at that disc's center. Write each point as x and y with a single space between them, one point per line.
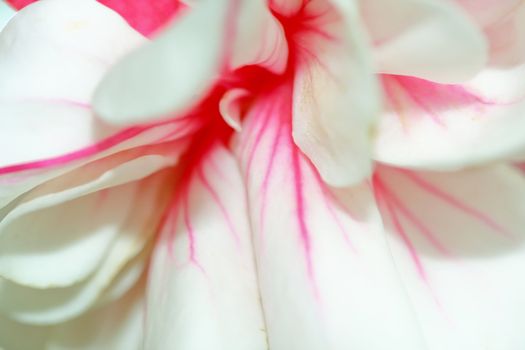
324 174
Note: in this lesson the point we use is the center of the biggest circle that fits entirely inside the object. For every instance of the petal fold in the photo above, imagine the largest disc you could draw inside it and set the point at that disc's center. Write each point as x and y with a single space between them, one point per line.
161 79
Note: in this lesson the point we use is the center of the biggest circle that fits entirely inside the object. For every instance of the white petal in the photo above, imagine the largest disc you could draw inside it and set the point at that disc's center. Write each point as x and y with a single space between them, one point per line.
430 39
458 243
57 234
503 22
331 122
52 54
435 126
168 76
202 291
66 46
116 326
125 251
325 274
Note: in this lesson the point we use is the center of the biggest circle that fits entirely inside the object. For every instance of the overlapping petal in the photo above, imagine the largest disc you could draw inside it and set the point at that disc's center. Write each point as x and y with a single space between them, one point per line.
161 79
446 127
53 53
51 58
116 326
429 39
503 25
325 275
202 289
60 258
332 123
458 243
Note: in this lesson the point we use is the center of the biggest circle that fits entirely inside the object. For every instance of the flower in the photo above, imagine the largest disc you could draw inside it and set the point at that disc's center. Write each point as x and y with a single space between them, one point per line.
240 142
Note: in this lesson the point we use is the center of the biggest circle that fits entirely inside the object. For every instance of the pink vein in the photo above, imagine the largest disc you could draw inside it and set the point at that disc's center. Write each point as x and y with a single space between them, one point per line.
454 202
408 214
383 198
301 217
191 234
221 206
266 179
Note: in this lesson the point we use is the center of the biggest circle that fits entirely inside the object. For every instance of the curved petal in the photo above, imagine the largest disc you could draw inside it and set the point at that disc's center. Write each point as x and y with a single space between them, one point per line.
57 43
429 39
124 251
57 234
442 127
458 243
161 79
331 122
202 289
325 274
115 326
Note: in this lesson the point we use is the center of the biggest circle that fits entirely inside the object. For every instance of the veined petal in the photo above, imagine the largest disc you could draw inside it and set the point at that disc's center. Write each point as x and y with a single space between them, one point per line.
325 275
66 46
458 243
161 79
202 290
331 122
429 39
443 127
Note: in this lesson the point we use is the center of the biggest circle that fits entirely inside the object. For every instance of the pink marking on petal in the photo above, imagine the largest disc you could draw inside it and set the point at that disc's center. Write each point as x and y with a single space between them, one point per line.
266 179
410 216
191 233
98 147
456 203
301 216
261 132
383 199
329 200
221 206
